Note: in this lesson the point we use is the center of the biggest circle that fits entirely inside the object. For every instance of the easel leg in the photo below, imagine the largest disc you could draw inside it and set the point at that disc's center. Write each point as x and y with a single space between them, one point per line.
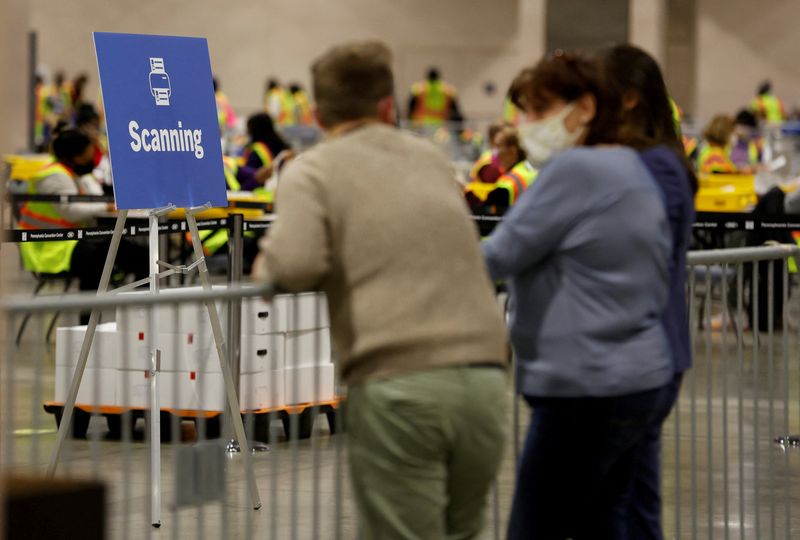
230 390
77 377
154 422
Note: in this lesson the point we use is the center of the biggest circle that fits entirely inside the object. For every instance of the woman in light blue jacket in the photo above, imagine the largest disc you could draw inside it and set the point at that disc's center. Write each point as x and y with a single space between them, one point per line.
585 251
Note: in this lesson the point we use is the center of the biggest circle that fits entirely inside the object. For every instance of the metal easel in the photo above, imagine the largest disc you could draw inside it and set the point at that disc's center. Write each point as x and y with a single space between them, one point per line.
231 394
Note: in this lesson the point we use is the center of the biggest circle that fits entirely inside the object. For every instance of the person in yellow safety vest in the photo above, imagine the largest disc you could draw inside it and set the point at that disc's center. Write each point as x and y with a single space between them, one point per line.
689 147
303 113
767 106
225 115
65 176
713 156
677 115
77 88
61 97
43 113
487 168
518 176
511 114
748 146
230 166
510 186
265 144
433 102
689 143
279 104
216 240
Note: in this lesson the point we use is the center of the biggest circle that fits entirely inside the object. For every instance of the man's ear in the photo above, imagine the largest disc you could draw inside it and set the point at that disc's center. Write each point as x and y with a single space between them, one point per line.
387 111
317 117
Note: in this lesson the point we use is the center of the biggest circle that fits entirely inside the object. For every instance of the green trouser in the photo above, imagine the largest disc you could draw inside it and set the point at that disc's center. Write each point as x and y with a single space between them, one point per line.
424 448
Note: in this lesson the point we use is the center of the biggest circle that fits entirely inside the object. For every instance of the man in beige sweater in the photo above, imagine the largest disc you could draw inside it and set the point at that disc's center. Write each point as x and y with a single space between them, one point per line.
373 217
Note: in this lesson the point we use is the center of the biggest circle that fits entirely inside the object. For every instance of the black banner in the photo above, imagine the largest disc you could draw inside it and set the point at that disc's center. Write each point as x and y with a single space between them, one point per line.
730 221
18 236
714 221
63 199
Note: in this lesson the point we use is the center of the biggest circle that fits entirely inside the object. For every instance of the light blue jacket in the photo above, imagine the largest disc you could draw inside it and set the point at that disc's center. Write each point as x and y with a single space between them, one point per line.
585 251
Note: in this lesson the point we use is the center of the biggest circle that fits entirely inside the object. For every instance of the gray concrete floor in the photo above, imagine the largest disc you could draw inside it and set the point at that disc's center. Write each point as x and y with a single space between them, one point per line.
723 476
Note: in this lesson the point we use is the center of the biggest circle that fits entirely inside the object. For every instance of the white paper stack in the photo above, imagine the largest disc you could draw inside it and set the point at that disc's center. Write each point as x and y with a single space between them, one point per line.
285 356
309 372
98 385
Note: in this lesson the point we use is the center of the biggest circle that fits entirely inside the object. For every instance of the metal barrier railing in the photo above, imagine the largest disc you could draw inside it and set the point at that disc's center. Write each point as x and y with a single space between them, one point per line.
725 476
286 392
739 475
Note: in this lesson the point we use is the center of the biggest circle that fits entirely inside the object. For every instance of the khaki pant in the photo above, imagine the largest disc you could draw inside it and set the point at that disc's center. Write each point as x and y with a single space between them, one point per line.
424 449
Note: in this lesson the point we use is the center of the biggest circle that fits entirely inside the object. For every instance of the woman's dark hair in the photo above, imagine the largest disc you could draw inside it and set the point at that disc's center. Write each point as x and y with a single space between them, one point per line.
630 71
261 129
86 114
568 76
746 118
69 144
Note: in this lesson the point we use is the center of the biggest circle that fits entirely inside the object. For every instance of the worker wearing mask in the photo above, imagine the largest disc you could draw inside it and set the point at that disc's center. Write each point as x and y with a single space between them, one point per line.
69 174
265 145
748 145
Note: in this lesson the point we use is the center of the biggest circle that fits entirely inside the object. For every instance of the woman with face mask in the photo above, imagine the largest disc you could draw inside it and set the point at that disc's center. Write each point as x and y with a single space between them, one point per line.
585 251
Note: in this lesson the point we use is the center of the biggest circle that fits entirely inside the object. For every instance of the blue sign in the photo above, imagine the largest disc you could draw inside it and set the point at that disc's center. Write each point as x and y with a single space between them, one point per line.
161 118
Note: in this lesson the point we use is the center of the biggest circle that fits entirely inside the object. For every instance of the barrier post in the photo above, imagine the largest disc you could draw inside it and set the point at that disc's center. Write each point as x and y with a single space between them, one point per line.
154 422
235 225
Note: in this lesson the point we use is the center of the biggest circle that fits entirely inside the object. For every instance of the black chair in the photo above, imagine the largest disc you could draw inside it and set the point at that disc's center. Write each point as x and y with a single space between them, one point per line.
43 279
770 206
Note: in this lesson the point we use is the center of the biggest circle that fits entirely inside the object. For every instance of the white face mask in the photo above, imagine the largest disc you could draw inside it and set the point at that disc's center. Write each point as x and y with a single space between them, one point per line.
544 138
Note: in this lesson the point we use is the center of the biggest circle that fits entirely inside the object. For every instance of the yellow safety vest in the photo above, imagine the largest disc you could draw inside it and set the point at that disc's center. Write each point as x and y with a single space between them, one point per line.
261 150
689 145
213 239
482 161
754 148
713 159
302 108
225 116
768 107
230 168
42 112
517 180
285 113
46 257
432 106
511 113
677 115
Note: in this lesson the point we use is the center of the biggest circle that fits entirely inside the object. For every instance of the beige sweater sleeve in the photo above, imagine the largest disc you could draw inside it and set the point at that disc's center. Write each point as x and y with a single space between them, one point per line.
296 250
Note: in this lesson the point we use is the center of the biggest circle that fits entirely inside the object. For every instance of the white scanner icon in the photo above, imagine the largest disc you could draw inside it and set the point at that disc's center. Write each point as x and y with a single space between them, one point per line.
159 82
